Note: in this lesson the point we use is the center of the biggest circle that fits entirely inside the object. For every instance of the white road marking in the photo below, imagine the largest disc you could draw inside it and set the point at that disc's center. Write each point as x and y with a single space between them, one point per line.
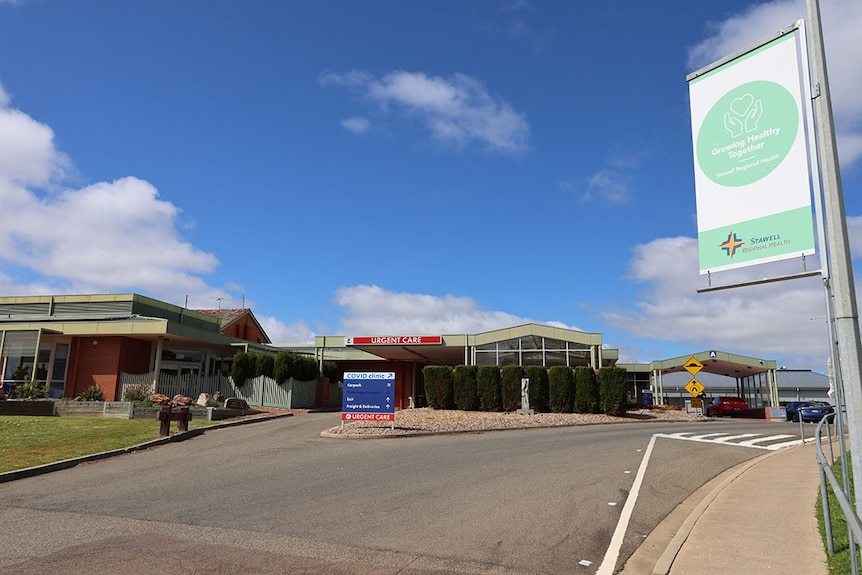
732 437
752 442
613 552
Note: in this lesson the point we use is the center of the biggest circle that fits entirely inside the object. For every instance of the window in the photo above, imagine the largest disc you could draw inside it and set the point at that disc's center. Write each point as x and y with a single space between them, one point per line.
18 357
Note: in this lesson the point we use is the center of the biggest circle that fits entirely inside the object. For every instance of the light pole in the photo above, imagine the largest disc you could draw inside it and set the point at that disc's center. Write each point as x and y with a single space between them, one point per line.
846 315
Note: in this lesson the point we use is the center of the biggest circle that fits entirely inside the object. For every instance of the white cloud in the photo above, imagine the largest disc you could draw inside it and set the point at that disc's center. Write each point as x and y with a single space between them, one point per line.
607 186
27 153
372 310
357 125
108 236
281 332
457 111
784 320
842 20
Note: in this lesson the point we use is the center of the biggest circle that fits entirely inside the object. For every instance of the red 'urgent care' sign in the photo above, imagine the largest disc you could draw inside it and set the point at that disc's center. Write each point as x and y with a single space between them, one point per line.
394 340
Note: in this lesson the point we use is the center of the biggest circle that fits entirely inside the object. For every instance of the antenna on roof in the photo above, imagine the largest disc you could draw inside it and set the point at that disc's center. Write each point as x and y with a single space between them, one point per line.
219 302
243 301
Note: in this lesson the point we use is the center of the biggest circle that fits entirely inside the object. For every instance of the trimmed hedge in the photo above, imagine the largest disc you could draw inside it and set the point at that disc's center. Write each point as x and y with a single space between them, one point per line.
265 364
299 367
488 388
465 391
538 376
586 390
439 381
612 390
561 389
510 387
244 367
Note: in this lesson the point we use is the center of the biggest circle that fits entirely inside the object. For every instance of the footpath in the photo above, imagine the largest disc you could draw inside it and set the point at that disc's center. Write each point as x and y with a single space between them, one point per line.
758 517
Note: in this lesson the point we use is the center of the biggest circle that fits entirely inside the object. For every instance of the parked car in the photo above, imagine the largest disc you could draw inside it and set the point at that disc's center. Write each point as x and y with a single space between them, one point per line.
812 411
724 405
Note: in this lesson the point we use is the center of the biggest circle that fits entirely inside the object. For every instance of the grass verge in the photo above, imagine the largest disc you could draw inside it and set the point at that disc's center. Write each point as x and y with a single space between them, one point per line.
30 441
840 562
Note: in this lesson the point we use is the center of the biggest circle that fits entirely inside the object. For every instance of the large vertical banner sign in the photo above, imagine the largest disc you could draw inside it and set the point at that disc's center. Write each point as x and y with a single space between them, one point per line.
750 157
368 395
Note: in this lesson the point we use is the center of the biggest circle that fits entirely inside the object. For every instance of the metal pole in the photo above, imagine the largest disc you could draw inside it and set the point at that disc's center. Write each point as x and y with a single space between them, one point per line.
842 283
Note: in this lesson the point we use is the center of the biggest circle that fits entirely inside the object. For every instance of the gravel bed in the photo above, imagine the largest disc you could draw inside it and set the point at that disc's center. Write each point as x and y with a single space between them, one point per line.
428 420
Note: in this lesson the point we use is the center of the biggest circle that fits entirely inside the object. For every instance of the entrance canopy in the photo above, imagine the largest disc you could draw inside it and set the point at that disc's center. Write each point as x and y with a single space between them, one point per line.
528 344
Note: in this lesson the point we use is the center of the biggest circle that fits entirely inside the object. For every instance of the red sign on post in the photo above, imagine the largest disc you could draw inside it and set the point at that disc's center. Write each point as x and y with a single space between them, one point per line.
394 340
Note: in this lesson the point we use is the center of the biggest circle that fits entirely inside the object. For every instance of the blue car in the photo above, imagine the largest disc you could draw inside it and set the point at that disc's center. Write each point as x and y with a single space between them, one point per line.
811 411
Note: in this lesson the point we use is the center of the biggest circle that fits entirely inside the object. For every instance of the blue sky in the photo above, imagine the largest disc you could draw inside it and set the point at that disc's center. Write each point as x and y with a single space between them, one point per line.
380 167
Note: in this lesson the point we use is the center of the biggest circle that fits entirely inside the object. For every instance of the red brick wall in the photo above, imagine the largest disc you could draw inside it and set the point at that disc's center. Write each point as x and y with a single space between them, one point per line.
99 360
245 328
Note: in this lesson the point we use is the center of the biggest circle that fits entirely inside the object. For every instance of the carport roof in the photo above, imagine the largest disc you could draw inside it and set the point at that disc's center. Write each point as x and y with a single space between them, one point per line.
717 362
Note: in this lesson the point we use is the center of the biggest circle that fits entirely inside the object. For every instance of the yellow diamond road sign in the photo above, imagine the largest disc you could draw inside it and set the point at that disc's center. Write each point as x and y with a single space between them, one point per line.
694 387
693 366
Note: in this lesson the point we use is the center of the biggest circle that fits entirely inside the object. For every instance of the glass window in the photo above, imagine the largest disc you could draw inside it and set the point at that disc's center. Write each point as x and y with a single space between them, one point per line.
61 354
553 358
509 344
486 358
487 347
554 344
531 358
531 342
19 355
509 358
42 363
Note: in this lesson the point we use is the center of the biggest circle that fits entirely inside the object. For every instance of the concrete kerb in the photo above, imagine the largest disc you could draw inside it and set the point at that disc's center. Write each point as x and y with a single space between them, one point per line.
330 435
657 553
67 463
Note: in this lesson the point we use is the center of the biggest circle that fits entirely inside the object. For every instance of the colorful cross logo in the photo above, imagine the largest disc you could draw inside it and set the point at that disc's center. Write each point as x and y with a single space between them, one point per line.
730 244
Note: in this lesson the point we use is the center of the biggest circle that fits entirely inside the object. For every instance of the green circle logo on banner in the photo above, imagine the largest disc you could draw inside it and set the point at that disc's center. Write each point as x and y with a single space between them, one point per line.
747 133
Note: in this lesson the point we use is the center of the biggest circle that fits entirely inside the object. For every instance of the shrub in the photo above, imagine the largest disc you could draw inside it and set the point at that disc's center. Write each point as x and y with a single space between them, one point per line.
586 390
464 389
139 393
510 387
538 376
561 389
488 388
283 366
306 368
299 367
330 370
31 390
244 367
438 386
93 393
265 364
612 390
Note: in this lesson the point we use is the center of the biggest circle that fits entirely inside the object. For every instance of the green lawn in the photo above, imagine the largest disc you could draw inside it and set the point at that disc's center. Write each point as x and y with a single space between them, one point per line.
839 563
29 441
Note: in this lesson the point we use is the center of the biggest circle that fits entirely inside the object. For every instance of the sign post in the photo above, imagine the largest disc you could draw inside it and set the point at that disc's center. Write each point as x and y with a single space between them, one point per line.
368 396
694 387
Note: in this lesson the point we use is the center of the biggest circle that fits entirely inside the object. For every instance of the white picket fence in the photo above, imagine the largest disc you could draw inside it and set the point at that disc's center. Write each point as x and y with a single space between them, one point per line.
261 391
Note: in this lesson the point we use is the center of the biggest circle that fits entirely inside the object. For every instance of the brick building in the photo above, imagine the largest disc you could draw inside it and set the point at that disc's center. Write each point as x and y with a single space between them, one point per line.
73 342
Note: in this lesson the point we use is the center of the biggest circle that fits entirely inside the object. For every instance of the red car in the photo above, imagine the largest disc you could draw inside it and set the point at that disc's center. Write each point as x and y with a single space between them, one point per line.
727 406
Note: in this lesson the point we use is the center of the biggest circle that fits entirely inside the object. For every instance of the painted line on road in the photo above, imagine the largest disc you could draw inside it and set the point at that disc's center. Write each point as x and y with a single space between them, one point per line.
613 552
753 442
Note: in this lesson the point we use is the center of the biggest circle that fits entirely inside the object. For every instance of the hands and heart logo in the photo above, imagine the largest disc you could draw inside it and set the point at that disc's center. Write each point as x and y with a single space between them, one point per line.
744 115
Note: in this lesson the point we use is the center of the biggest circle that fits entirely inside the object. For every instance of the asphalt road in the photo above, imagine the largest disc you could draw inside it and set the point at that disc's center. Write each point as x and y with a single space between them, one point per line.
275 497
